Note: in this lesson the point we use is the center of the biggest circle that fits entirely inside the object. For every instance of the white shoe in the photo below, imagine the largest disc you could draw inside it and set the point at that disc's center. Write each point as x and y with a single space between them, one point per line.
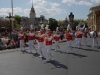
40 56
52 59
29 52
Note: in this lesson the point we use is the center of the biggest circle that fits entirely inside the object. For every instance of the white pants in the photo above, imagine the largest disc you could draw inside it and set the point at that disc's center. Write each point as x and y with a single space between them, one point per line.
95 41
76 39
31 45
85 40
56 45
22 46
40 48
79 42
69 48
48 53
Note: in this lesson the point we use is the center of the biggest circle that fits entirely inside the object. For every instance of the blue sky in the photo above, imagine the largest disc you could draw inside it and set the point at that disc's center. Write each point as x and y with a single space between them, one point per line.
58 9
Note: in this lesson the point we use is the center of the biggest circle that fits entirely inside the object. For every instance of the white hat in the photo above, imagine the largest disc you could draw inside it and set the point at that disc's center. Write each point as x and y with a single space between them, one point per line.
47 27
57 29
42 27
85 29
76 27
21 28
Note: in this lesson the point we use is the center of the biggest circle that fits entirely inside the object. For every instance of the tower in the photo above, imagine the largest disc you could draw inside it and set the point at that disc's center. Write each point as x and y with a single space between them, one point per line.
32 12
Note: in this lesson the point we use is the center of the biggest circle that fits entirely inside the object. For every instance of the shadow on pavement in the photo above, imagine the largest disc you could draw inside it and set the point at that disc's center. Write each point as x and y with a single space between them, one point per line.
58 65
87 49
78 55
90 50
62 52
34 54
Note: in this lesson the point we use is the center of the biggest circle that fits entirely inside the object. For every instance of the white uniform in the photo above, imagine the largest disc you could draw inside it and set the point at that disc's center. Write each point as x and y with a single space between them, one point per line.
78 35
48 44
95 39
40 43
57 38
22 45
69 41
31 38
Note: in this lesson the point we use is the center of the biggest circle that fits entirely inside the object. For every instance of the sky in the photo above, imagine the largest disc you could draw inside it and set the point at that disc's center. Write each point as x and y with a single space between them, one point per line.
58 9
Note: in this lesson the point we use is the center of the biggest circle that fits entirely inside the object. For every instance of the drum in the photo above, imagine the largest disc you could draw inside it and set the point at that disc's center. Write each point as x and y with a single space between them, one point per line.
92 34
99 35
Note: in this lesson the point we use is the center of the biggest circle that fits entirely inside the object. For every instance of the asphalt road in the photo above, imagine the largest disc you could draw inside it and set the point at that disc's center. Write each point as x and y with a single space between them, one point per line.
84 61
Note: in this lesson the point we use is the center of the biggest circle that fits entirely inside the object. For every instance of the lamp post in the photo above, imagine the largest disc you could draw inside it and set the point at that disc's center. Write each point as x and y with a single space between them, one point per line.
10 18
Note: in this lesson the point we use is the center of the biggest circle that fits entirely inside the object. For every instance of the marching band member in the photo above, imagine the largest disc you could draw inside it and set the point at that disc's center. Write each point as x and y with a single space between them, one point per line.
76 39
85 36
31 40
48 44
95 38
57 38
21 37
78 35
40 41
69 38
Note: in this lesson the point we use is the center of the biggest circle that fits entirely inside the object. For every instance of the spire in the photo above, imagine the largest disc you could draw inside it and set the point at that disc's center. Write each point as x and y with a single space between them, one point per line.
32 9
32 3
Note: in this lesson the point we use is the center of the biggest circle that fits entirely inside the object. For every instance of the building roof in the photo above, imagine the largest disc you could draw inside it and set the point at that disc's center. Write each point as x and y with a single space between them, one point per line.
95 7
90 14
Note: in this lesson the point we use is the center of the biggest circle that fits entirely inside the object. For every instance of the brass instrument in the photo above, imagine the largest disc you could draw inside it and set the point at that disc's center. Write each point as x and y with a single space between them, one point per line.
81 26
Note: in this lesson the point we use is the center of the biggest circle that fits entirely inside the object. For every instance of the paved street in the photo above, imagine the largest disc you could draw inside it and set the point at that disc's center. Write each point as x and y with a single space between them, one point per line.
85 61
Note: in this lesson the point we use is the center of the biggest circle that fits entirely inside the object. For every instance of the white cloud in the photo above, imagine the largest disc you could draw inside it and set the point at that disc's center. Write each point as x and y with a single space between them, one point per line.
69 4
39 2
17 9
85 3
26 11
69 1
5 11
48 11
96 1
54 4
82 2
46 8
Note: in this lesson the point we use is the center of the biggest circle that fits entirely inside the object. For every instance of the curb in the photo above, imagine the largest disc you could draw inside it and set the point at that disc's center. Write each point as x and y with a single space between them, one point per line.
9 50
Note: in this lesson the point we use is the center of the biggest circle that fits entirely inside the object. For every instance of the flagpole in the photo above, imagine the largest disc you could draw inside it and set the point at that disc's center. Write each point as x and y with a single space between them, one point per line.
12 12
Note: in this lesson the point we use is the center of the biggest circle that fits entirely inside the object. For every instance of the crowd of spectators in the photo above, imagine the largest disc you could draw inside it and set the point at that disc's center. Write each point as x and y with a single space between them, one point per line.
13 42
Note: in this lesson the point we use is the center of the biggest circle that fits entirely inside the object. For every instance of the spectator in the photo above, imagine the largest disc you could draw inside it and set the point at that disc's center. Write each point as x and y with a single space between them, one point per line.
2 45
11 44
6 33
14 35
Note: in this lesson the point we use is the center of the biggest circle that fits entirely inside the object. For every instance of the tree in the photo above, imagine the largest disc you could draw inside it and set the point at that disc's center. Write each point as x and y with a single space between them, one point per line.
60 23
53 24
18 18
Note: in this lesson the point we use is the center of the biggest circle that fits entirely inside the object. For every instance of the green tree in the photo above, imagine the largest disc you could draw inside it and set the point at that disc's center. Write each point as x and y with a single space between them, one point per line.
18 18
60 23
53 24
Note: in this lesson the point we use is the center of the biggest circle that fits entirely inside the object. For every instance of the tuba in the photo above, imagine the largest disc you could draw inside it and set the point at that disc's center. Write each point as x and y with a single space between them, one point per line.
81 26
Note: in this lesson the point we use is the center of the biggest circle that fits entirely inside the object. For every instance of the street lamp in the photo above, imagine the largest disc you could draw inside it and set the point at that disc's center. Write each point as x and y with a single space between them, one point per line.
10 18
